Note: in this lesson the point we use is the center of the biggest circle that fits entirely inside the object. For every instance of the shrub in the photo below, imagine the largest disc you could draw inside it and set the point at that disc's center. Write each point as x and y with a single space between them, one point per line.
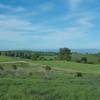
50 59
35 56
30 73
83 60
41 58
14 67
90 62
78 61
98 60
1 68
48 68
79 74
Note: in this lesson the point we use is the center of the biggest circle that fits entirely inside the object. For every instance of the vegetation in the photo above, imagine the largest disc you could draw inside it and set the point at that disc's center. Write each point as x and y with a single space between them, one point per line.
35 56
47 68
8 59
79 74
14 67
46 77
32 82
65 54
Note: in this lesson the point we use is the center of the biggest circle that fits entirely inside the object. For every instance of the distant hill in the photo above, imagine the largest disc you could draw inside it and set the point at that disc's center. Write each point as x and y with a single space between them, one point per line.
56 50
86 50
73 50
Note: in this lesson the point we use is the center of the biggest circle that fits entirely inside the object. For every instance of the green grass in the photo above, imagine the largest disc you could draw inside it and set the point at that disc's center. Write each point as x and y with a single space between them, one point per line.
61 83
86 68
43 89
7 59
90 57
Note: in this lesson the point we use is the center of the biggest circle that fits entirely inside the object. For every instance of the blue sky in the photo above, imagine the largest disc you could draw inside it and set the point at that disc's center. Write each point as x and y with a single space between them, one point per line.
49 24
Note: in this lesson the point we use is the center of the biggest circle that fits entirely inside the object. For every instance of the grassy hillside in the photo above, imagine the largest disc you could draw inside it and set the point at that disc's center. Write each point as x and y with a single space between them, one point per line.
85 68
7 59
90 57
32 81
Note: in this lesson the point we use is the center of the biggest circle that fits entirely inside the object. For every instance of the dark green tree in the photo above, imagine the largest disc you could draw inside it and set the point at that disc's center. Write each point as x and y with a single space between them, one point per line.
83 60
65 54
35 56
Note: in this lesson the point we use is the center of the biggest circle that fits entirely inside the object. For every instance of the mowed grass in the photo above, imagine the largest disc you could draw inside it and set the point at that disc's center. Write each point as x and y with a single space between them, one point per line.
31 81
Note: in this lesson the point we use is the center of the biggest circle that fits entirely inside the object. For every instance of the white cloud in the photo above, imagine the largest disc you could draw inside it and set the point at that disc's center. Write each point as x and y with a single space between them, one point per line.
74 4
45 7
18 9
11 8
15 23
2 6
18 29
41 8
85 22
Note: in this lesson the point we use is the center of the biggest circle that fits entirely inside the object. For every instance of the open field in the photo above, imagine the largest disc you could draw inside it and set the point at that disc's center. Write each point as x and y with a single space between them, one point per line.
90 57
49 50
85 68
31 81
8 59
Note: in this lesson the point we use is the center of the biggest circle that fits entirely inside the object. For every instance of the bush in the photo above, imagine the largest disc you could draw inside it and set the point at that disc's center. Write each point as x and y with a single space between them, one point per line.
79 74
14 67
41 58
83 60
1 68
35 56
78 61
50 59
90 62
30 73
98 60
48 68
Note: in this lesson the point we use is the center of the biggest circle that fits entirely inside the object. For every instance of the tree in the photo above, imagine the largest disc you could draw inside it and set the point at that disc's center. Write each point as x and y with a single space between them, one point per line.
0 53
35 56
83 60
65 54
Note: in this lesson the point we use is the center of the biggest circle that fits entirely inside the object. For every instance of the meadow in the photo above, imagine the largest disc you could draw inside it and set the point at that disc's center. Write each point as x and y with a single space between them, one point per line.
8 59
31 80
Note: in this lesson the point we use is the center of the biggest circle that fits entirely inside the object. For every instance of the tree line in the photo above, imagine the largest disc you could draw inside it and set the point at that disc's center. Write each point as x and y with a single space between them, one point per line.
63 54
22 54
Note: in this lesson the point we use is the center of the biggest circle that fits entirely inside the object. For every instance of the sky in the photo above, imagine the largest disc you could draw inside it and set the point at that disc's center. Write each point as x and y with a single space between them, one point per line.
49 24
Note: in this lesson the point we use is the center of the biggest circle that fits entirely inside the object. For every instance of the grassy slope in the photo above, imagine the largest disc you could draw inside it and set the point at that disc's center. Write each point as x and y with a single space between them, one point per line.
53 85
54 89
8 59
90 57
88 68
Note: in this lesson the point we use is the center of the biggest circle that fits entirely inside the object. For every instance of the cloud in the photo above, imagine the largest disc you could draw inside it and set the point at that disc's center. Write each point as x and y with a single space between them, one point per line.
17 24
83 20
26 30
13 28
86 22
30 11
2 6
11 8
46 7
18 9
74 4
